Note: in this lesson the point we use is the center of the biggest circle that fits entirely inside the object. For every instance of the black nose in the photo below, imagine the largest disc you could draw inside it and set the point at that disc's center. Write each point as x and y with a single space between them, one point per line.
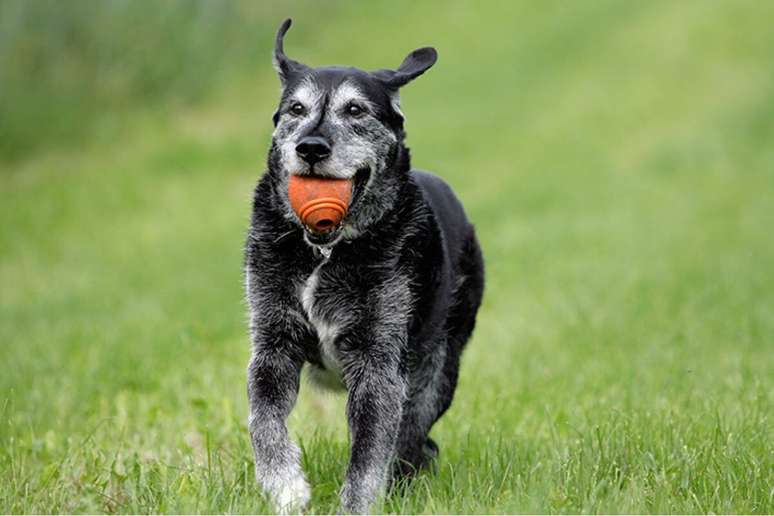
313 149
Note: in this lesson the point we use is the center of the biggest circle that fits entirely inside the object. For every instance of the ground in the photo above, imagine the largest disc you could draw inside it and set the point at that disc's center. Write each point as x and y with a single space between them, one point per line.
617 161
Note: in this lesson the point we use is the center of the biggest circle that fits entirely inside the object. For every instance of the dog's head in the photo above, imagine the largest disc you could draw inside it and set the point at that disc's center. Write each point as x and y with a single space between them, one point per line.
343 122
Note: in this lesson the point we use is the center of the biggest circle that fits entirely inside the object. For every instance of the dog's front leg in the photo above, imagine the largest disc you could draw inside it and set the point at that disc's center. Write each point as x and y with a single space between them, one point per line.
376 395
272 387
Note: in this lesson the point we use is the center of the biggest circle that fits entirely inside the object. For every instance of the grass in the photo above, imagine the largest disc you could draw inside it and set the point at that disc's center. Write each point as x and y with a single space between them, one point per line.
617 161
63 65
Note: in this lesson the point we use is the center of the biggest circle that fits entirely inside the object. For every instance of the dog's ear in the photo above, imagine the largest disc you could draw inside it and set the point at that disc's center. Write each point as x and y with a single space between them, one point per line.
415 64
286 67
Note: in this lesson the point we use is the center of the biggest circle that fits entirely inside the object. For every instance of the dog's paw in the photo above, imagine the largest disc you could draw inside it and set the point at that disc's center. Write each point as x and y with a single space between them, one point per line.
430 452
292 496
286 488
358 495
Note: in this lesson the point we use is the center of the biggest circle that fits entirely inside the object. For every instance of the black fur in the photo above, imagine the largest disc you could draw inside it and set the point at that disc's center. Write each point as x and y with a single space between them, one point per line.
391 303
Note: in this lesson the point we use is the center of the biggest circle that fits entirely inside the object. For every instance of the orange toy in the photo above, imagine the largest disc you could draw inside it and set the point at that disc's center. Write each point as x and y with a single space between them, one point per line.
320 202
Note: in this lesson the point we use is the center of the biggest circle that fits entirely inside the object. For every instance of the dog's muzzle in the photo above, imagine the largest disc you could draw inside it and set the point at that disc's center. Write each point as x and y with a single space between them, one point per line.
323 204
320 203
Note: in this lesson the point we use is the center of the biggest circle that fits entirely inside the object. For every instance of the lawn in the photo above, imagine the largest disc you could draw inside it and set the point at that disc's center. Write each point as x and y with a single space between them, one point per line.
618 162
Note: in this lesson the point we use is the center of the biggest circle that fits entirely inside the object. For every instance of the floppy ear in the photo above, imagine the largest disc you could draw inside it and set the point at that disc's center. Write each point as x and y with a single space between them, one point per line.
415 64
286 67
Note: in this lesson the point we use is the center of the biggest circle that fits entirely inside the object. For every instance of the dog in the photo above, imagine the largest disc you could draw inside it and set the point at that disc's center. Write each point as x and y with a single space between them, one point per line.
381 304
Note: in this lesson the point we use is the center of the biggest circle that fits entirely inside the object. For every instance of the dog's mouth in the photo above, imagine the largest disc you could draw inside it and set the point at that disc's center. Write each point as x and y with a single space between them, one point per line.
327 236
360 182
322 239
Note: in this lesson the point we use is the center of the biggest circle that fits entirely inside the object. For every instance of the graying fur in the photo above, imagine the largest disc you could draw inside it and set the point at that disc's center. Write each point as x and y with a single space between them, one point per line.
381 305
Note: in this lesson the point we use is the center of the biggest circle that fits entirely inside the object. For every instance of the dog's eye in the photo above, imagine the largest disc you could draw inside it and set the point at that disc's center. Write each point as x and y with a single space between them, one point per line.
297 108
355 110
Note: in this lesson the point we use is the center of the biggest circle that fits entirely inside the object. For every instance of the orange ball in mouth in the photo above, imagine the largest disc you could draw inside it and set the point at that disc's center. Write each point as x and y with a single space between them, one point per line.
320 202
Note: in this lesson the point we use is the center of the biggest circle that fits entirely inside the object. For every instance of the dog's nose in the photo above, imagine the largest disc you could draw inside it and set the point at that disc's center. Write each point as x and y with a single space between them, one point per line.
313 149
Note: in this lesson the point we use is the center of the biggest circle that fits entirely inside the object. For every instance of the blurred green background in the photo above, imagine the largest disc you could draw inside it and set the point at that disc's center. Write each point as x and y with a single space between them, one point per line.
616 157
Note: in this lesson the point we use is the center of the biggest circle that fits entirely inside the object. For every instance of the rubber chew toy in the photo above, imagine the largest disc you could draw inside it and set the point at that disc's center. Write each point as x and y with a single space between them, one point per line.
321 203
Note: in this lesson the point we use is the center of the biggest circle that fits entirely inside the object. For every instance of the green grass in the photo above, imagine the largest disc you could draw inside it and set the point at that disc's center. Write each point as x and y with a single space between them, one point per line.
617 160
63 65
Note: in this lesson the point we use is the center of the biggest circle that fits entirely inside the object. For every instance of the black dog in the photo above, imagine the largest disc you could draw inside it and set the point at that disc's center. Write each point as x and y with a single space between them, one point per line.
385 301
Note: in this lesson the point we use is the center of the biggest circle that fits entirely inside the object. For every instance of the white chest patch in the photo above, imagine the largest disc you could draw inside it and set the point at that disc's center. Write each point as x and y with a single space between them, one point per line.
326 331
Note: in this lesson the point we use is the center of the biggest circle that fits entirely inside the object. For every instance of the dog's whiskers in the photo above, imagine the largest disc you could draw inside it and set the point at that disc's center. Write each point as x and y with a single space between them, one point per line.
283 235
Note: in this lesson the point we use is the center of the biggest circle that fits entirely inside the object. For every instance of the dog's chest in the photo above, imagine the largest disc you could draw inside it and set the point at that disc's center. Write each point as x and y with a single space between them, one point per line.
312 299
